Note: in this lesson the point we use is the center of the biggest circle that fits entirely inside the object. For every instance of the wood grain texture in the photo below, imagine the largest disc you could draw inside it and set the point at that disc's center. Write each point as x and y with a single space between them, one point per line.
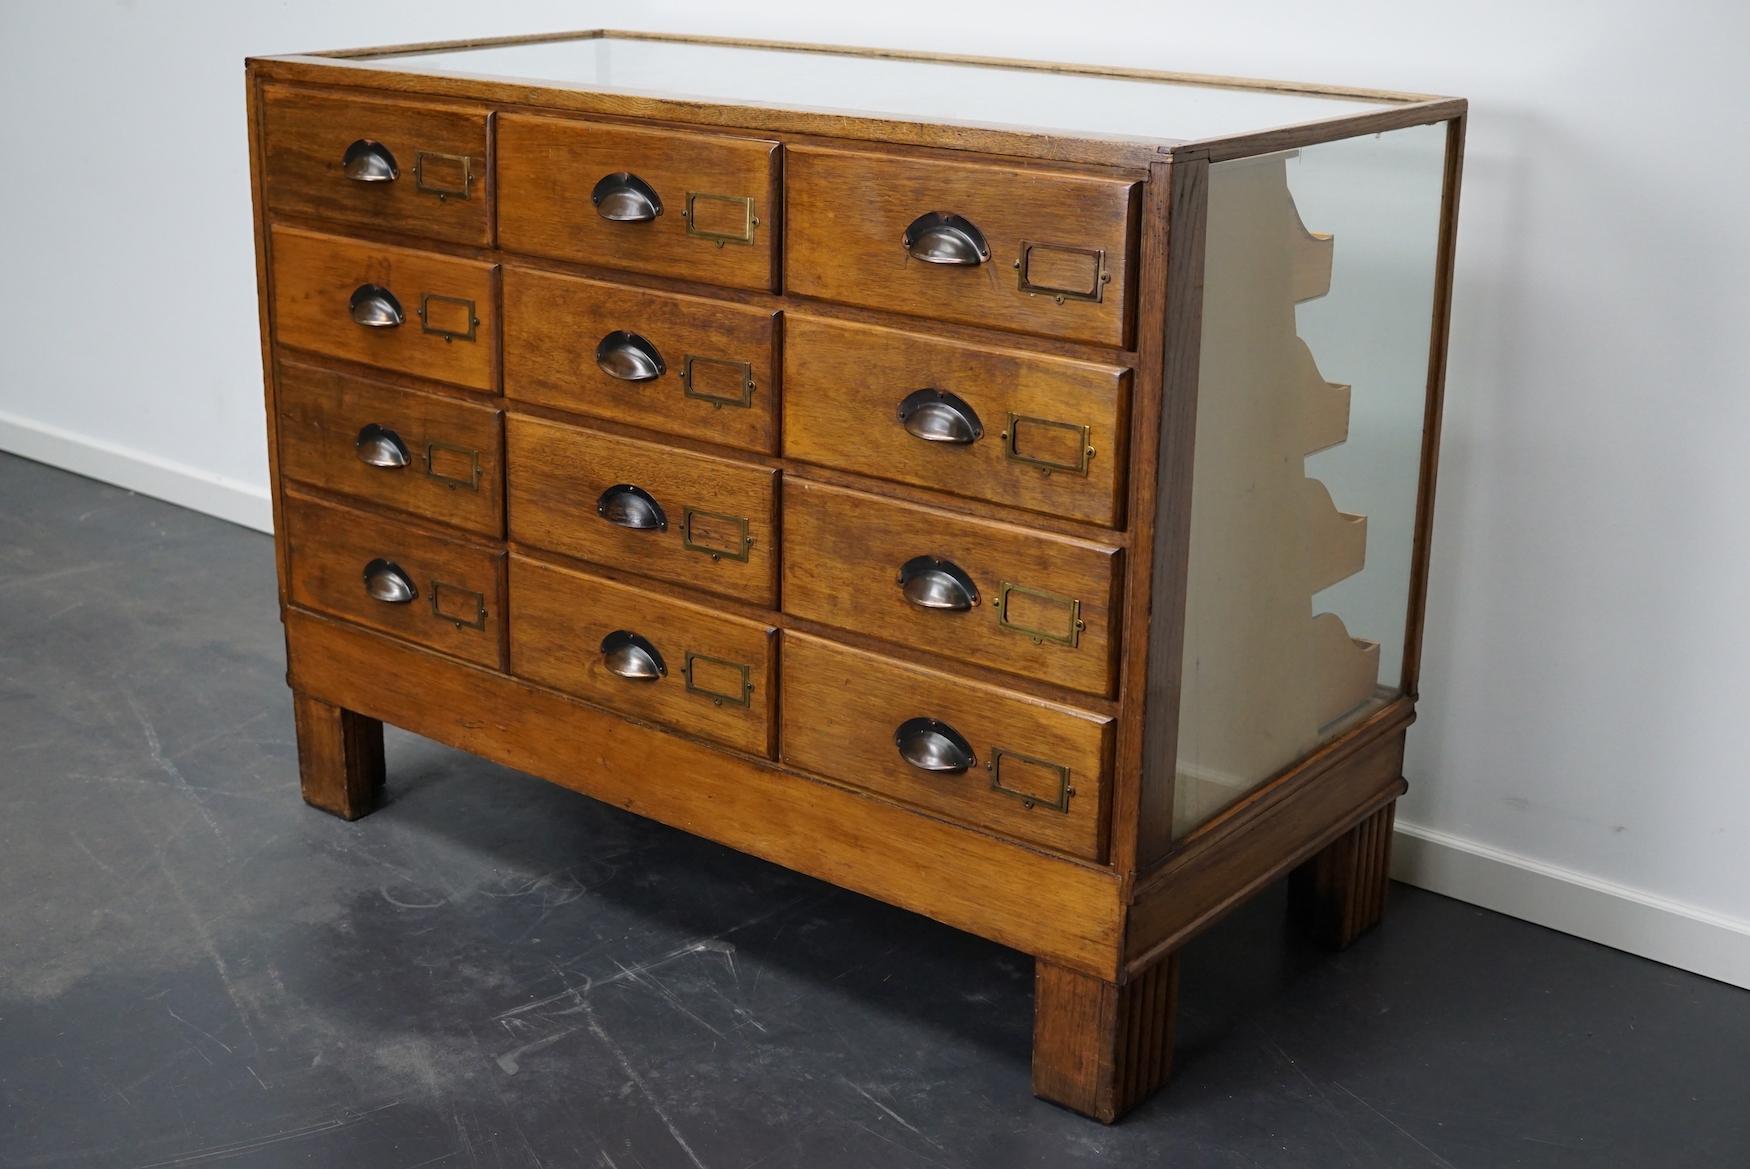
553 325
315 276
847 213
721 680
1279 827
264 318
340 757
841 707
1101 1048
559 472
308 133
1062 909
1339 893
456 473
1130 831
331 545
547 168
1176 445
843 551
844 383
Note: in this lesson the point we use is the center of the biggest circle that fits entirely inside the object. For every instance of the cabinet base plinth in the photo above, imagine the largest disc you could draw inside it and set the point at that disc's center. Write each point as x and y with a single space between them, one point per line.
1339 894
1101 1048
340 757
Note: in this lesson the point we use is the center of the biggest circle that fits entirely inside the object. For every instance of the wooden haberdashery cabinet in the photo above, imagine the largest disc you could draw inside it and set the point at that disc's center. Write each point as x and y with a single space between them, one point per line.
999 488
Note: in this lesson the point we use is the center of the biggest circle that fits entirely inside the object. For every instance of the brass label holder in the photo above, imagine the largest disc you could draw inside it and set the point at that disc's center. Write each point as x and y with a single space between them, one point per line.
1059 803
467 609
428 299
736 550
1070 634
1099 277
744 376
446 164
719 698
471 482
739 203
1012 440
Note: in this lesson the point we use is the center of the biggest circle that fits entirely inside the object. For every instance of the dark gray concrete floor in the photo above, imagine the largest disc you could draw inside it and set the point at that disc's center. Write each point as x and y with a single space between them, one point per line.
197 970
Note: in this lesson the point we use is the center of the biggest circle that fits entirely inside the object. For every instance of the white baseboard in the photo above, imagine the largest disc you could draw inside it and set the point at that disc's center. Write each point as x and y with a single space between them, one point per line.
1613 915
216 495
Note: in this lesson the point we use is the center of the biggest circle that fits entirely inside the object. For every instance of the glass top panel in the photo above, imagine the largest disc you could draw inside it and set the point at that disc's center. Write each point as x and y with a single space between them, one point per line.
883 86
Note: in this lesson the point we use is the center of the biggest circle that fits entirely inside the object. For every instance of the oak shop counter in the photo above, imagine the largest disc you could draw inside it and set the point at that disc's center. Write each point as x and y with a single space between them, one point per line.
918 471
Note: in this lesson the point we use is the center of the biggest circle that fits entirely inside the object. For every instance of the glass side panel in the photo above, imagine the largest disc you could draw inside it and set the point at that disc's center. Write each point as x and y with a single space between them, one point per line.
916 90
1318 302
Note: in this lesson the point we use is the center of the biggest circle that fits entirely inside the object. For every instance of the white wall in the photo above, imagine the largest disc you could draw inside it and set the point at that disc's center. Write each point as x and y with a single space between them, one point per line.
1583 752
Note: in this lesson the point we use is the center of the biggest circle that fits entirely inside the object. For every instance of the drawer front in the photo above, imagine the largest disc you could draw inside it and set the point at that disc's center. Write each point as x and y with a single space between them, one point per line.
1018 600
706 523
1033 770
680 364
396 165
376 571
398 309
645 655
1035 432
1047 252
435 457
693 206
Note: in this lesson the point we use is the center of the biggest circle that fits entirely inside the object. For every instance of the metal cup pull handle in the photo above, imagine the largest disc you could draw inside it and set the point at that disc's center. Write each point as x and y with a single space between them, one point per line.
623 197
932 745
930 583
366 161
375 307
941 238
938 416
388 582
631 656
629 357
626 506
378 446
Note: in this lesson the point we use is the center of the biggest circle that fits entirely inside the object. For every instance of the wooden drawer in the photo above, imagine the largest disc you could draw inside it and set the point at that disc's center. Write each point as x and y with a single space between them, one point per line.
714 673
416 167
1037 772
1044 605
457 602
715 195
435 457
447 307
1061 246
1051 434
718 517
681 364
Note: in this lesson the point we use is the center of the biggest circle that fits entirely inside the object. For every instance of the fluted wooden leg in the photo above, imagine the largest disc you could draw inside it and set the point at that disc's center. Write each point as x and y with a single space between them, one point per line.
1101 1048
340 757
1339 894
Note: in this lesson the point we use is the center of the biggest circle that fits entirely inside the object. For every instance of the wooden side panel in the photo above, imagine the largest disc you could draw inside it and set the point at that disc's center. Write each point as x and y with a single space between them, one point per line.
1053 431
720 515
719 676
718 380
449 307
1064 910
459 603
455 472
718 195
842 708
442 184
844 550
848 213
